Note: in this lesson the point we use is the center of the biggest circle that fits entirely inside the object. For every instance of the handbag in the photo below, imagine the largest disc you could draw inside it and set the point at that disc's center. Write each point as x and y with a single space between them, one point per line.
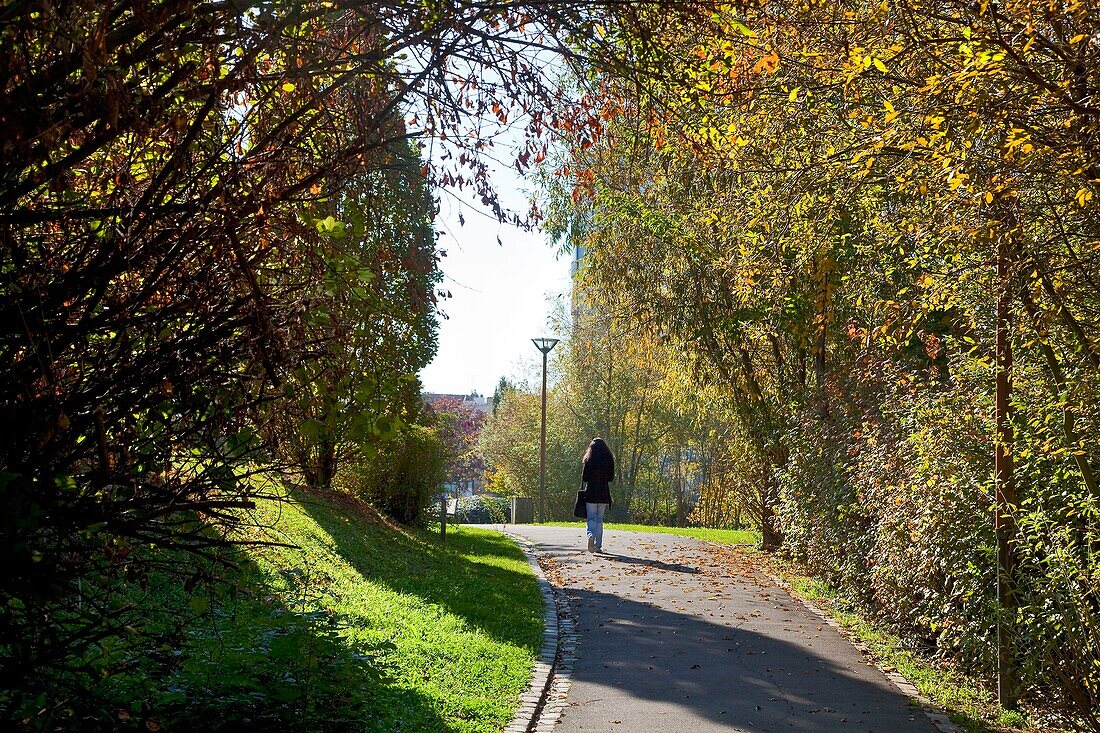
580 511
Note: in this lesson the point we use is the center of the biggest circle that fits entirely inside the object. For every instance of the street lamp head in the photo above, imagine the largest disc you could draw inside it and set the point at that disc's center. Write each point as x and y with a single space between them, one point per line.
544 344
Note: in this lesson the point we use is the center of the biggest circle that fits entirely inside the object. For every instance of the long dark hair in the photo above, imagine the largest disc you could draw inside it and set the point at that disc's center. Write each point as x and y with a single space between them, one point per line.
598 456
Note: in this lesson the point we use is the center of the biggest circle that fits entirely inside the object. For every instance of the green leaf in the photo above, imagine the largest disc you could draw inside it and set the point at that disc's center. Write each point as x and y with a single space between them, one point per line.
311 429
744 30
286 646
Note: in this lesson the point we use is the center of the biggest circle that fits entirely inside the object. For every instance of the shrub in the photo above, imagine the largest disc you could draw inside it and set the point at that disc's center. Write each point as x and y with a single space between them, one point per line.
403 478
482 509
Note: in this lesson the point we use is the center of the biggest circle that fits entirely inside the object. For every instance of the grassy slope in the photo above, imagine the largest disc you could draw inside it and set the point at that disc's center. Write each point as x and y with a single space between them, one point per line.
358 625
719 536
453 628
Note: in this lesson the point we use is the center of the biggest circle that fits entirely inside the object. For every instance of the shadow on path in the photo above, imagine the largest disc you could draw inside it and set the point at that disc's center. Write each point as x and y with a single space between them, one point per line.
680 638
657 564
641 667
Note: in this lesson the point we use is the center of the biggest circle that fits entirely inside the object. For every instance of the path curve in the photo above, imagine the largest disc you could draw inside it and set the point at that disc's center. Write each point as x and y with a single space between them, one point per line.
682 636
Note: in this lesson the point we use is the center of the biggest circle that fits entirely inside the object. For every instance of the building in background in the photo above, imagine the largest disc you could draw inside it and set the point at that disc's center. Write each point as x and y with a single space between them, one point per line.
473 401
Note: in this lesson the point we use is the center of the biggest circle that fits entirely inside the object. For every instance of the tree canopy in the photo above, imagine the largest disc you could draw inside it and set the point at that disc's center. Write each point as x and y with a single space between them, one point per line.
218 263
872 227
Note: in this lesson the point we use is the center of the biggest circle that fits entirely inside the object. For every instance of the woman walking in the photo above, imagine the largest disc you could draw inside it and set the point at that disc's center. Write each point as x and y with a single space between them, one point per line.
598 472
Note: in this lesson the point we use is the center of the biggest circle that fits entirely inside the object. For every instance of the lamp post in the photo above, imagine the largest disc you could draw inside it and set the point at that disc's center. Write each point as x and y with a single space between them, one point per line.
544 345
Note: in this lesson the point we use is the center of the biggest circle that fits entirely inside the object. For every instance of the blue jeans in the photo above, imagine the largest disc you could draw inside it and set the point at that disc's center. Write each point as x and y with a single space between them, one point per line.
595 522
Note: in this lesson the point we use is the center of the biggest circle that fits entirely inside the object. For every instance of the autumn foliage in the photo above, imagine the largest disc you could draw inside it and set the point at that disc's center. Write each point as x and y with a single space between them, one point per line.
810 204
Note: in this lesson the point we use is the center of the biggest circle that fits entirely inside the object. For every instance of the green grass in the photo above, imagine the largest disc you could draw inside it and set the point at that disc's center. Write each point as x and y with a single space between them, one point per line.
453 628
356 625
718 536
971 705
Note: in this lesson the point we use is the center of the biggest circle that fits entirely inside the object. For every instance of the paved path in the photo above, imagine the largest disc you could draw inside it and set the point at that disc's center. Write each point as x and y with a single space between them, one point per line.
680 636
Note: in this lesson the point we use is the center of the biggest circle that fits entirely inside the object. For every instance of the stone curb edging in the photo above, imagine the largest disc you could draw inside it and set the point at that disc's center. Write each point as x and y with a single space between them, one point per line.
542 704
561 676
935 714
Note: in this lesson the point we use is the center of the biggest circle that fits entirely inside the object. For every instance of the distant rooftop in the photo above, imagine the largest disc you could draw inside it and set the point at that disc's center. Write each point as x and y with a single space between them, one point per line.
470 400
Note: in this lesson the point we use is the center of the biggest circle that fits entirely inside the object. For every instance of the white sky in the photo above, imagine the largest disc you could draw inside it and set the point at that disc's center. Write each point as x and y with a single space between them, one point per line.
500 293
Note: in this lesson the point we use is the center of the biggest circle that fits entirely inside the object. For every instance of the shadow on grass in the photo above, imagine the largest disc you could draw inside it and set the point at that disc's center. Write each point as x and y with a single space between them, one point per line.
458 574
294 657
228 656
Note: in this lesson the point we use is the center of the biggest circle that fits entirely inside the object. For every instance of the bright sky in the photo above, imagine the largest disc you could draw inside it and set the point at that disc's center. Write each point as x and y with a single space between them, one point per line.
500 293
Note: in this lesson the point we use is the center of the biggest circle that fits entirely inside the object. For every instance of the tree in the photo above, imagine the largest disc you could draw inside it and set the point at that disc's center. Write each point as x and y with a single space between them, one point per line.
509 446
809 203
503 386
370 324
167 192
508 443
460 427
609 382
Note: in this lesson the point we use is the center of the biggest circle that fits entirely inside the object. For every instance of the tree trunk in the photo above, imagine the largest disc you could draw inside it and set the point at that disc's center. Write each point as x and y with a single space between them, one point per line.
770 538
326 463
679 489
1005 489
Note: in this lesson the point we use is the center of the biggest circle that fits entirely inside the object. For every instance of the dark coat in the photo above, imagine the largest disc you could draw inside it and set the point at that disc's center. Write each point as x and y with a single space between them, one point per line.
596 477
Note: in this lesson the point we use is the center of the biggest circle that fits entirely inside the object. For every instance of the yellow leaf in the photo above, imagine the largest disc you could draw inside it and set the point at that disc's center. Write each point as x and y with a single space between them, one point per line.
988 197
793 95
744 30
879 65
288 87
1083 196
1077 39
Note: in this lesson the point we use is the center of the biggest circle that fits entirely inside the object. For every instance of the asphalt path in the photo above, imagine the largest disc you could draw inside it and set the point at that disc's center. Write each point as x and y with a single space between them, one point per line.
682 636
